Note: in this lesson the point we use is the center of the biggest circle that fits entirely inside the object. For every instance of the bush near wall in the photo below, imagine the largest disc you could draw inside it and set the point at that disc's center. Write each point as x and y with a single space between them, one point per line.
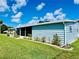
56 40
43 39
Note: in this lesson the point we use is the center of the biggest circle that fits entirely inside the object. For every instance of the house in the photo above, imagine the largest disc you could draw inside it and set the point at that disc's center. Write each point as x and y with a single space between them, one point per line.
67 30
3 28
11 32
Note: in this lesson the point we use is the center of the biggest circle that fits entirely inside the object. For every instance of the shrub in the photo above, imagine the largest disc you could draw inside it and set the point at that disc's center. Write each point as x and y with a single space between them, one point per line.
56 40
30 36
43 39
15 34
37 39
8 34
67 46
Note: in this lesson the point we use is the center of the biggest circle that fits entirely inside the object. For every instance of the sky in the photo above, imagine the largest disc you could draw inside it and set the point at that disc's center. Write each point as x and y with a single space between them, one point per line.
17 12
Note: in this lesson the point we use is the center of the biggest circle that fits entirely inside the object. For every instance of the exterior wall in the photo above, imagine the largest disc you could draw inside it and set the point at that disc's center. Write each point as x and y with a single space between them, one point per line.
77 24
66 34
48 31
70 33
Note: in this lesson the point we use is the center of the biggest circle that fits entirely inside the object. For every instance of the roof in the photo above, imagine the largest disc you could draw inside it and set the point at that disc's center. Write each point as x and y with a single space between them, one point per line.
53 22
76 20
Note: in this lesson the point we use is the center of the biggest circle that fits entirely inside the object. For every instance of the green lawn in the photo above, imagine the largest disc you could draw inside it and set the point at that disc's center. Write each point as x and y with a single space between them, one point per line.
11 48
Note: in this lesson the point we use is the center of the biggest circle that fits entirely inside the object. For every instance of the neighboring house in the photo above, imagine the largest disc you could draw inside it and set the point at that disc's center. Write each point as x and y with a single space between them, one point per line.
11 32
67 30
3 28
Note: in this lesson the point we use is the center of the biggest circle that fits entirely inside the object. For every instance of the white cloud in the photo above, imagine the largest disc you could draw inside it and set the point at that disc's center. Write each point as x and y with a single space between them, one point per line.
18 5
19 25
40 6
58 11
76 1
41 19
57 15
3 5
34 20
16 18
49 17
14 8
61 17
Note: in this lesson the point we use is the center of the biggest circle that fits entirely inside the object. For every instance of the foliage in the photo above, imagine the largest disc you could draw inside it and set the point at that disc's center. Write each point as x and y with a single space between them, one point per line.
43 39
1 22
41 21
3 28
37 39
15 34
30 36
56 40
67 46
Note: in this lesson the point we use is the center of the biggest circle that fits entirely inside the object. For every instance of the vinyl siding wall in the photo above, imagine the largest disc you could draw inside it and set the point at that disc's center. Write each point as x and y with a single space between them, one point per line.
48 31
77 25
70 33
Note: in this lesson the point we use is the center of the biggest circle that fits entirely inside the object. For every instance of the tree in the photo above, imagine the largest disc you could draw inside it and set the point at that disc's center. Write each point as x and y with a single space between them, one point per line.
3 28
1 22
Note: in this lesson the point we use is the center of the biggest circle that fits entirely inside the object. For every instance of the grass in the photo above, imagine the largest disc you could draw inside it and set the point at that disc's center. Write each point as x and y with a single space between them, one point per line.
11 48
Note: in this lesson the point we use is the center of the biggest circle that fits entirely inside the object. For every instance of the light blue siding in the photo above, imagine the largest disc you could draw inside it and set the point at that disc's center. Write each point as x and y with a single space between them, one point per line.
76 29
48 31
77 24
70 34
67 31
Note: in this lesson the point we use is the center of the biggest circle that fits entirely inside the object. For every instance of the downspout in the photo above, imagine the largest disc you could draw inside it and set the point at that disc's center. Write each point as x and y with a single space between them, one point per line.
25 31
20 31
64 34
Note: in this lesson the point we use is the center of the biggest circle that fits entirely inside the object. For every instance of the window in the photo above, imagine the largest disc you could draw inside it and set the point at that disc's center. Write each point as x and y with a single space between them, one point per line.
70 29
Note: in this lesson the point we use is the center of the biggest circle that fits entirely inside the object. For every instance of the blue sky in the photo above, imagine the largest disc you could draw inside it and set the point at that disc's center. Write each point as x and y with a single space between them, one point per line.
17 12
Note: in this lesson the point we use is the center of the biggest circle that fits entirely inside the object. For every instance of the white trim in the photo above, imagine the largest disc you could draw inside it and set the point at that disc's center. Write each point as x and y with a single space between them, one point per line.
53 22
25 31
20 31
